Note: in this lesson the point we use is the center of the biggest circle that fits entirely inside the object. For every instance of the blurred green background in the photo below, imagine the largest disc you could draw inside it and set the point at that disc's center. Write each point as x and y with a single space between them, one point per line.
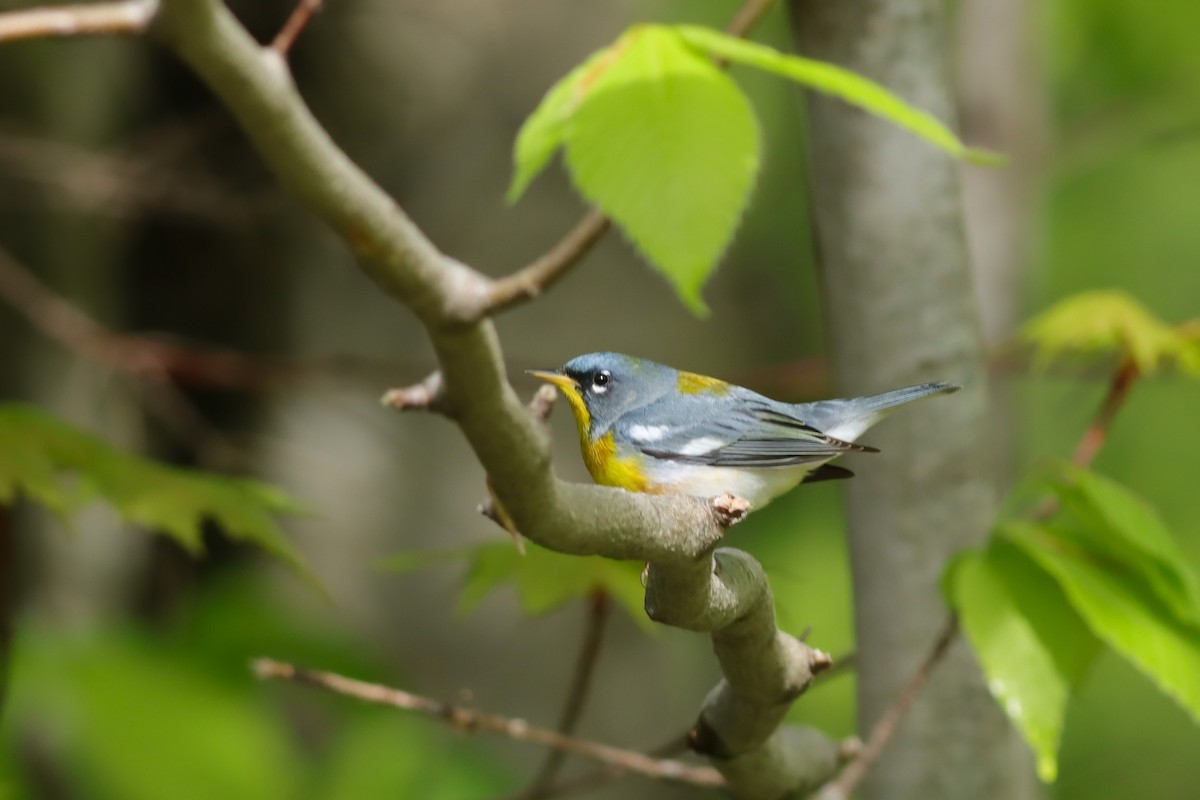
129 192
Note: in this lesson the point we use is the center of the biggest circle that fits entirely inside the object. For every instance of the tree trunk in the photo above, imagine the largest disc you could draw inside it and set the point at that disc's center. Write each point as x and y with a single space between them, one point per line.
897 295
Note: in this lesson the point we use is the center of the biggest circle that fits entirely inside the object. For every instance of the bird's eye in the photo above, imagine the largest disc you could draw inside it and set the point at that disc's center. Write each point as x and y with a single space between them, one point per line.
601 379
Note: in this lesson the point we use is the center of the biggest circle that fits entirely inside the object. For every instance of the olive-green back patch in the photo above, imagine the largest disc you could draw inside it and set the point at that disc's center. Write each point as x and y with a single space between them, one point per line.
691 383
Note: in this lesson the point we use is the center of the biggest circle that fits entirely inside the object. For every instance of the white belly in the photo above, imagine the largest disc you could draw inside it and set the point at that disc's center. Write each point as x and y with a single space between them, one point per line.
757 487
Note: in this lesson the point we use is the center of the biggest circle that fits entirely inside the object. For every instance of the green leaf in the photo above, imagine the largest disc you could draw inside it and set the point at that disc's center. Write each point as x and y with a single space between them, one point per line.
1114 523
1032 645
667 145
834 80
1120 609
542 132
544 579
1110 322
36 448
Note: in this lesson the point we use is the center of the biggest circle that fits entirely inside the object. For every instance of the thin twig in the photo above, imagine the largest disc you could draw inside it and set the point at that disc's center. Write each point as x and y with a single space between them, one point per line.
838 666
94 19
585 666
469 720
427 395
544 271
747 17
1096 433
146 357
881 734
300 16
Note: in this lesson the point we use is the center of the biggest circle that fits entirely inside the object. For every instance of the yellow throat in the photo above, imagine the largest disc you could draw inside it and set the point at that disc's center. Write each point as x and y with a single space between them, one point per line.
600 454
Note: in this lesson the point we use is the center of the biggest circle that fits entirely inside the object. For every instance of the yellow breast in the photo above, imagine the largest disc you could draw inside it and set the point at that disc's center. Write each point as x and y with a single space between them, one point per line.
600 455
609 469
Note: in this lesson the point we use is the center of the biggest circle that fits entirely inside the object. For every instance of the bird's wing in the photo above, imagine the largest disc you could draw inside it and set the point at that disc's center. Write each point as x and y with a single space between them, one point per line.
739 431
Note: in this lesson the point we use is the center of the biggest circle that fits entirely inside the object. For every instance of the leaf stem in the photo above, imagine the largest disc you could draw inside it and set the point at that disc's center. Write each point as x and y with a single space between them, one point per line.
1097 432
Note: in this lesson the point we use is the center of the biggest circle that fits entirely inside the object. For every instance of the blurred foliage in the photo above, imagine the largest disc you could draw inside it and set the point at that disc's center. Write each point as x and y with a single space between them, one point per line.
1036 602
36 449
1111 322
544 580
135 715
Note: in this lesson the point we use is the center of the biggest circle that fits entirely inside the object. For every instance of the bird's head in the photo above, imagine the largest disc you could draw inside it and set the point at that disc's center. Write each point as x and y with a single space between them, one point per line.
602 386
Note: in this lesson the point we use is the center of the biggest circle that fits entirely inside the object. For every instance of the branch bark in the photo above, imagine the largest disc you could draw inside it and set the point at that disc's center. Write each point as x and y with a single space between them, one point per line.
895 278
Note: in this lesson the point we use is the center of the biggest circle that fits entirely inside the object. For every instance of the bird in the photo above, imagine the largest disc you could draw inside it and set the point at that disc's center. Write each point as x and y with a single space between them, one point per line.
647 427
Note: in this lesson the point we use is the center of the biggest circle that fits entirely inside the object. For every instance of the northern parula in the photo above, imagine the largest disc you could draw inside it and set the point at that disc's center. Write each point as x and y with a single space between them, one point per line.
647 427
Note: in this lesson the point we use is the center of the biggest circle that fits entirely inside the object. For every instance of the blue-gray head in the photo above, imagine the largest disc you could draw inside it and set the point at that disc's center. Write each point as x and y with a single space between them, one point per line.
602 386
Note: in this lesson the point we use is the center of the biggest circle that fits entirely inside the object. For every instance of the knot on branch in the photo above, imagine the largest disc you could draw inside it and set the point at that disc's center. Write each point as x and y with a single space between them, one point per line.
728 509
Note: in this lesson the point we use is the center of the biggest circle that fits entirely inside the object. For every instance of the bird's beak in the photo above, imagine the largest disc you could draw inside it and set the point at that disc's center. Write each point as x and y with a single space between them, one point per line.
564 382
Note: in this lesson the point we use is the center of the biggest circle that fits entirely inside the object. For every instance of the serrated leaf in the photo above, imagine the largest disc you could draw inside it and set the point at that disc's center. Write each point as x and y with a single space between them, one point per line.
1031 644
667 145
833 80
36 449
1109 322
542 132
1114 522
544 579
1119 608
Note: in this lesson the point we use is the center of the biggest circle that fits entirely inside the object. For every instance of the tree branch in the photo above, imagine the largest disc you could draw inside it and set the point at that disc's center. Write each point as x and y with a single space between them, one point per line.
253 83
689 585
468 720
883 731
138 356
93 19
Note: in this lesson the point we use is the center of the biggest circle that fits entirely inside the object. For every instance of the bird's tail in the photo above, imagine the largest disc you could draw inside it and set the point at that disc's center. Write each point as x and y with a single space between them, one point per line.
877 404
847 419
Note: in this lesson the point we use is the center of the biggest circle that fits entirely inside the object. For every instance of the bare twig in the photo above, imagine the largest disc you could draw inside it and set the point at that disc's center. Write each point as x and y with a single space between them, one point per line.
844 785
585 666
300 16
1096 433
93 19
428 395
125 185
138 356
469 720
541 273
